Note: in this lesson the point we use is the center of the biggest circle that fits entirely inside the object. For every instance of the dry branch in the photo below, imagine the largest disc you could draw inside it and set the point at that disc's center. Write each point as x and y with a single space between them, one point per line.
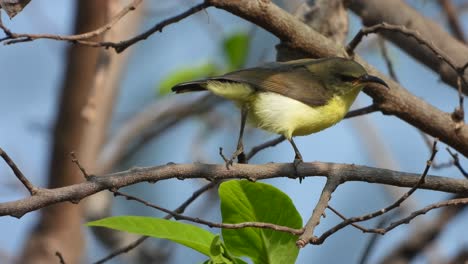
345 172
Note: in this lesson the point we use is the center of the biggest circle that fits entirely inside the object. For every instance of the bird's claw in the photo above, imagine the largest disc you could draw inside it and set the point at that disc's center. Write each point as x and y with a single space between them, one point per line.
296 163
239 154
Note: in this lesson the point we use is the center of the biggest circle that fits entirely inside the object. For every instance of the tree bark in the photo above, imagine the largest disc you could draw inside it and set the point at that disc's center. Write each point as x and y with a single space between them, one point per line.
60 226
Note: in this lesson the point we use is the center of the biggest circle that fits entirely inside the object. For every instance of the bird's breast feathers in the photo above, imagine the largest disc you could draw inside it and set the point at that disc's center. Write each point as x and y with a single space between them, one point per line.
289 117
283 115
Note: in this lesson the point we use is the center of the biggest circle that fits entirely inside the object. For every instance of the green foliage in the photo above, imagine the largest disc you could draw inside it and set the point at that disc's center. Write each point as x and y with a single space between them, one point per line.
220 255
186 74
188 235
241 201
236 49
244 201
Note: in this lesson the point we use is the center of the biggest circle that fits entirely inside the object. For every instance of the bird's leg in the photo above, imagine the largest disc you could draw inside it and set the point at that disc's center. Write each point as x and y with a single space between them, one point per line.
297 159
239 153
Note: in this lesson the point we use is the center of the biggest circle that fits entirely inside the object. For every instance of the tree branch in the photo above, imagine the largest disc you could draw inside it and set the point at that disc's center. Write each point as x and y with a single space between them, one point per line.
19 175
12 38
347 172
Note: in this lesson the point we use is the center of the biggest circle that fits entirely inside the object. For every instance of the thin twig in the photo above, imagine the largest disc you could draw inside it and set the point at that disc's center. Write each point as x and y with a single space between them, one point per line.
340 215
17 37
386 57
78 164
179 210
29 186
372 241
409 33
178 216
458 114
321 239
269 143
123 250
406 220
428 141
362 111
122 45
456 162
60 257
314 220
452 19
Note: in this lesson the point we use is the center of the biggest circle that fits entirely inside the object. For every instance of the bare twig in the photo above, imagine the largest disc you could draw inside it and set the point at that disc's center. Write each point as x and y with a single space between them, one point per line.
458 113
405 220
60 257
362 111
179 210
386 57
340 215
407 32
370 245
120 46
123 45
29 186
321 239
178 216
456 162
452 18
75 160
322 204
269 143
123 250
78 38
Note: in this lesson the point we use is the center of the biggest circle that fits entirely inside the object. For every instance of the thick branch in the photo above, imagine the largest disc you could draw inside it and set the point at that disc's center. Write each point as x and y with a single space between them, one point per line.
347 172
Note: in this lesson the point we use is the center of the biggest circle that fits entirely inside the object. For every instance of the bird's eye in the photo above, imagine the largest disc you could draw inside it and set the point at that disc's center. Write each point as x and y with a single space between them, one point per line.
346 78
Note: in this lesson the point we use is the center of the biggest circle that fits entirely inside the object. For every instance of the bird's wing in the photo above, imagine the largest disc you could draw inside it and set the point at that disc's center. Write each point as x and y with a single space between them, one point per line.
291 80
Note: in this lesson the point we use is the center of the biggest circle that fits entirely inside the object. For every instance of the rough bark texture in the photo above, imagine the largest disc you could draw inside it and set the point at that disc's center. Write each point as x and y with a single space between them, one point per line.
60 226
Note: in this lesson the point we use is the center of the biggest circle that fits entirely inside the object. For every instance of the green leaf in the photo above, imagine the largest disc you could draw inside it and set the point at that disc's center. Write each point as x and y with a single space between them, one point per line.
220 254
186 74
188 235
236 49
245 201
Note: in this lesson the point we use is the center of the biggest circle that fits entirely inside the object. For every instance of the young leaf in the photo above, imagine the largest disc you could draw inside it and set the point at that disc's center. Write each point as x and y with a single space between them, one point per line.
236 49
188 235
244 201
220 255
186 74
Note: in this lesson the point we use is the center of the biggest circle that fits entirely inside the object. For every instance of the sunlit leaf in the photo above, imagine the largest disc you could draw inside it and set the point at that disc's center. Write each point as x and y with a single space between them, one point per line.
188 235
245 201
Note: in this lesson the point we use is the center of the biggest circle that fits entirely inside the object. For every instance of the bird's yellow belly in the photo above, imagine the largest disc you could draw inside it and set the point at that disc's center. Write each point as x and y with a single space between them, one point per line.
289 117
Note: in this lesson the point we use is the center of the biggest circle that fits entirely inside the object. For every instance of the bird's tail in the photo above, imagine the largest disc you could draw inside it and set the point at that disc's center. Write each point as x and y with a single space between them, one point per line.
193 86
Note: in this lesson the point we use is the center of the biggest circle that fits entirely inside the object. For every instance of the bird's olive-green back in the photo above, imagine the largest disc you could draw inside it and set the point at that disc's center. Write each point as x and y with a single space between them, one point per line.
311 81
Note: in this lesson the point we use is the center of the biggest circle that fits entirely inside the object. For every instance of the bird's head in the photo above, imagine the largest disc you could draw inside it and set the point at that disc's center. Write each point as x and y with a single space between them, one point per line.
343 75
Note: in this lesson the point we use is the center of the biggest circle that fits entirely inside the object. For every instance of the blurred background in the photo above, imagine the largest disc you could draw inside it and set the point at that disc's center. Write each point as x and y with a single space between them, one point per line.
33 73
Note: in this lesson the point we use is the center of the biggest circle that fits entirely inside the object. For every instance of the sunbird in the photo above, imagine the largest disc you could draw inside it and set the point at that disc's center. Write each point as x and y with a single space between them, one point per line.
294 98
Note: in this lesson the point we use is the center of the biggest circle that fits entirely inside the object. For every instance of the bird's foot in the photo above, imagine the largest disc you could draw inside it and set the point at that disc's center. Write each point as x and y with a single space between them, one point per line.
297 161
239 154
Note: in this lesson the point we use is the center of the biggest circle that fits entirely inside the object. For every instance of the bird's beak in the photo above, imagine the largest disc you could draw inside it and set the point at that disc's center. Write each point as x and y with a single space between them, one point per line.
366 78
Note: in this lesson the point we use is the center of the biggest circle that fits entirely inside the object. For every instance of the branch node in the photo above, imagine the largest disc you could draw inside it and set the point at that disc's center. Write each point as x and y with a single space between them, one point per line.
77 163
33 190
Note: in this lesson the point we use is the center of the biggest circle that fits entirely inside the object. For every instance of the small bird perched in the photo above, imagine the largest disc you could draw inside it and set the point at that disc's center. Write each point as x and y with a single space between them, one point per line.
293 98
